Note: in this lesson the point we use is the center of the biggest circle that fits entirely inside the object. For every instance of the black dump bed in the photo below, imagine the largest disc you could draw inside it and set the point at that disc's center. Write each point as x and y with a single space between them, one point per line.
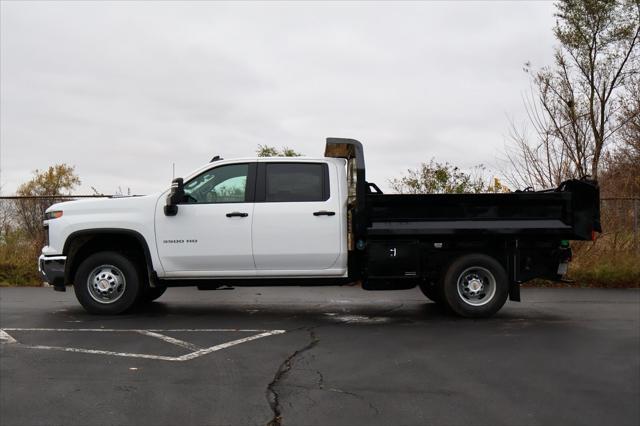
569 212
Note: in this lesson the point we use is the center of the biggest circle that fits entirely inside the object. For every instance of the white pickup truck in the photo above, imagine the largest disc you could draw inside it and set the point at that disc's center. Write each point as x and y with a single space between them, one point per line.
312 221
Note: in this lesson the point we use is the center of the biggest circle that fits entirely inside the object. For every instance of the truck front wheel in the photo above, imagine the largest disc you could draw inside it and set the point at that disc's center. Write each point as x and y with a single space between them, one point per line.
475 286
107 283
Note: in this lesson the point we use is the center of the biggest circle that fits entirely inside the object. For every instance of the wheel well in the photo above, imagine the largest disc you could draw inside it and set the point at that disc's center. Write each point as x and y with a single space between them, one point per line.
130 244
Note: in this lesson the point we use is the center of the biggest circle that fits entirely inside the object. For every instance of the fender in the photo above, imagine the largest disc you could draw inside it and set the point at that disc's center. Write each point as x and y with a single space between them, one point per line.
152 274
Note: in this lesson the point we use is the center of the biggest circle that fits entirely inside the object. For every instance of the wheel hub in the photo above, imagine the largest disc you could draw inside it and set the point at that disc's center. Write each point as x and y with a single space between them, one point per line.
103 285
476 286
106 284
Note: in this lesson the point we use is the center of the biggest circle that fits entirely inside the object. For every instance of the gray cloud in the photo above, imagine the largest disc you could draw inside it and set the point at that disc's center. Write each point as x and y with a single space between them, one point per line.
122 90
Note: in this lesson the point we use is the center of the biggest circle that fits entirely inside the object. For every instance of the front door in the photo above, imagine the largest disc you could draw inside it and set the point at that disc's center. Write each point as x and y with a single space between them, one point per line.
211 234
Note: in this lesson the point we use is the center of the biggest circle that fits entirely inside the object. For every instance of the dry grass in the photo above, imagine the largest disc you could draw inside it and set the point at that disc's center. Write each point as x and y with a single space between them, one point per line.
610 262
599 267
19 260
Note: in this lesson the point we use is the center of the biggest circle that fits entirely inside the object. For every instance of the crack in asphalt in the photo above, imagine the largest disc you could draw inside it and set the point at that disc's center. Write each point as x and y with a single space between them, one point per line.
360 397
272 394
273 397
320 379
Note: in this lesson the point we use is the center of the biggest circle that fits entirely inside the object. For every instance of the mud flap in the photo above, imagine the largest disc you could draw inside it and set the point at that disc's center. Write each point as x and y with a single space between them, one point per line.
514 292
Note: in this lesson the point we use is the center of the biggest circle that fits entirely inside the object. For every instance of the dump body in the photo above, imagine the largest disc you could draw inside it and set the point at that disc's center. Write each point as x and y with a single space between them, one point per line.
570 212
413 238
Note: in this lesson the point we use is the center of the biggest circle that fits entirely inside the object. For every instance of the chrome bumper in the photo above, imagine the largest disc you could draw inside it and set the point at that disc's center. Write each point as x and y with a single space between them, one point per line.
52 270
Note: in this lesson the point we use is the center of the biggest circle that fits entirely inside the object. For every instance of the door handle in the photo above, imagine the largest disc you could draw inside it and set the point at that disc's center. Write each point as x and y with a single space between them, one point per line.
237 214
324 213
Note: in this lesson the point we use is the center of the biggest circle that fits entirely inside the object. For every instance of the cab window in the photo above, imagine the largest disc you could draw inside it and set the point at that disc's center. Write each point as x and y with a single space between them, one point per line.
296 182
224 184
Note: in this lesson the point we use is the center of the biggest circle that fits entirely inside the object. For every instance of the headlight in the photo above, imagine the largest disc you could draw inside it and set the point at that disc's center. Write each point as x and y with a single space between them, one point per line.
53 214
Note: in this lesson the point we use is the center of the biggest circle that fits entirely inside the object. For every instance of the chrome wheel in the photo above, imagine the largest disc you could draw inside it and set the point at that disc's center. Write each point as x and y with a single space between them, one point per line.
476 286
106 284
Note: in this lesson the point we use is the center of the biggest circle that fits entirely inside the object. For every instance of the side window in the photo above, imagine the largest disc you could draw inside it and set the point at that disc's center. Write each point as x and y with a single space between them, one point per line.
224 184
291 182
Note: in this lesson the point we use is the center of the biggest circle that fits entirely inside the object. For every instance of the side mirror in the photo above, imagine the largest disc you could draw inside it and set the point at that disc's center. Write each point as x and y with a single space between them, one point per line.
175 197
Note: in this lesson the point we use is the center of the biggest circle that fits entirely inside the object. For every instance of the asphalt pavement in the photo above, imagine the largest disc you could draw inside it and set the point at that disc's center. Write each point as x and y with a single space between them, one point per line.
320 356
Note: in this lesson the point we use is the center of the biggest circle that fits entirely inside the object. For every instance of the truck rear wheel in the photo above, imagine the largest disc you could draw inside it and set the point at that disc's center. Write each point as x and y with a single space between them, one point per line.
107 283
475 286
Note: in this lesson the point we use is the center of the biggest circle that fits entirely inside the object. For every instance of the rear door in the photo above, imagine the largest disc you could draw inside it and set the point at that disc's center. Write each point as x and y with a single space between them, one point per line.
297 223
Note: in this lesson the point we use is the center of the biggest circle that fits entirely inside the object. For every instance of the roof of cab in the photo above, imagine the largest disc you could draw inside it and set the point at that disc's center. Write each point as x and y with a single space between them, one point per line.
221 162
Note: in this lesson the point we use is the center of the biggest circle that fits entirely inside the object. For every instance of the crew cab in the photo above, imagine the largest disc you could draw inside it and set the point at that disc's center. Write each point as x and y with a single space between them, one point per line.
313 221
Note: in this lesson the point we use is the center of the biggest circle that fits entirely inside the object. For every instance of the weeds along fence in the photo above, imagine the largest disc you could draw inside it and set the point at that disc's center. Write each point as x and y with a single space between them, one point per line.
615 251
22 235
620 224
25 214
613 259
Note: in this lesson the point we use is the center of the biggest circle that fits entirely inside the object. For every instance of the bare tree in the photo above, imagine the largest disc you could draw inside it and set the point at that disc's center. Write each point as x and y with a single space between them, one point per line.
576 106
541 164
621 172
6 218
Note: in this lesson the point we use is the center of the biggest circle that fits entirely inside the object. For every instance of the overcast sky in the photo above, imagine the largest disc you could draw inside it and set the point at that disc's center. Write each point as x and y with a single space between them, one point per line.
122 90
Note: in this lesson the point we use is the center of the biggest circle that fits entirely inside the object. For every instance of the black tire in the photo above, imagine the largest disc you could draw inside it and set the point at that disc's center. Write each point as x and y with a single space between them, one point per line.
110 270
475 286
152 293
431 292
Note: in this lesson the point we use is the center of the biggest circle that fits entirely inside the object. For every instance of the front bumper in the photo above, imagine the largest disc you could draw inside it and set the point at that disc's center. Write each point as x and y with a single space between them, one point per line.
52 270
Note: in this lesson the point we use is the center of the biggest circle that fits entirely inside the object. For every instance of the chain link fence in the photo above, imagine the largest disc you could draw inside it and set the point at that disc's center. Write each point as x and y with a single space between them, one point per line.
26 213
620 223
620 217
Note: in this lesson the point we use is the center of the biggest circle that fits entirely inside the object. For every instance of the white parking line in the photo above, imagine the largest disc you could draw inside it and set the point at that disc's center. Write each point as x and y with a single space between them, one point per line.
6 338
206 351
99 352
197 351
171 340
